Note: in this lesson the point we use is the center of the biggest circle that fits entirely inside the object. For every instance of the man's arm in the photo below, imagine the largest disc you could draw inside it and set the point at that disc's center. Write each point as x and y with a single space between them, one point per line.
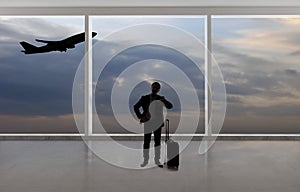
136 108
167 103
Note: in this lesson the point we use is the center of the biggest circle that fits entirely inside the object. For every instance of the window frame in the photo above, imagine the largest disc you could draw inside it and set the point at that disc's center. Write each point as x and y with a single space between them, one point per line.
159 11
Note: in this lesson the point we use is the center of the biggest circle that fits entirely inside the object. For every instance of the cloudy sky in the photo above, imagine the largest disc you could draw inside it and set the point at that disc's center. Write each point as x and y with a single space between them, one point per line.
151 59
36 90
259 59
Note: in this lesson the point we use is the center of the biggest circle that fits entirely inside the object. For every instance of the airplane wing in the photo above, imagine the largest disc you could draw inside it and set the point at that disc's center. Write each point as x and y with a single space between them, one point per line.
31 49
45 41
70 40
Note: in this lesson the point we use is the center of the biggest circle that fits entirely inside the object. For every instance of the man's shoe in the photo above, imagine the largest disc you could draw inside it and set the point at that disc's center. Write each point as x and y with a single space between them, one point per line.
144 163
159 164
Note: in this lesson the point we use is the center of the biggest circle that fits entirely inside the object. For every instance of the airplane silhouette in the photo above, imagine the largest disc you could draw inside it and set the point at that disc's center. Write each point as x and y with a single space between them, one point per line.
61 45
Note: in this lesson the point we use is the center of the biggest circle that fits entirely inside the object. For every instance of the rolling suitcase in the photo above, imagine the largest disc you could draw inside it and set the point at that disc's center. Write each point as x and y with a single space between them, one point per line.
172 149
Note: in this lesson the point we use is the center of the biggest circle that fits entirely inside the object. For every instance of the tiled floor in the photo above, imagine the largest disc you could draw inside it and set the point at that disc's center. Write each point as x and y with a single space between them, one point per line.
230 166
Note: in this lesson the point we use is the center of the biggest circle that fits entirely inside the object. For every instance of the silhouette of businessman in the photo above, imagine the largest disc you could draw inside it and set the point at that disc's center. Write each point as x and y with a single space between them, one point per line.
152 117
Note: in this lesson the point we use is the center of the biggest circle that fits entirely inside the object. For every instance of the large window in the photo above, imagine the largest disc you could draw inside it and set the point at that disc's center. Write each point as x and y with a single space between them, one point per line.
152 62
259 58
36 89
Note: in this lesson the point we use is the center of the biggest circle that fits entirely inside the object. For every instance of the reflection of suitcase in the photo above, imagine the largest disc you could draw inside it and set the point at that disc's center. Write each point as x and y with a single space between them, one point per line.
172 149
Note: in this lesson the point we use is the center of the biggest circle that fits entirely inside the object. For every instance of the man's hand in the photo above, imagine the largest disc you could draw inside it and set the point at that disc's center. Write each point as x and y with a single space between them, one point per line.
145 118
167 103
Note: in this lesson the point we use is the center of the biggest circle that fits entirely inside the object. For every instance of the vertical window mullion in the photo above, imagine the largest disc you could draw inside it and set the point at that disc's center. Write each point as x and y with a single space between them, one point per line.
88 84
208 50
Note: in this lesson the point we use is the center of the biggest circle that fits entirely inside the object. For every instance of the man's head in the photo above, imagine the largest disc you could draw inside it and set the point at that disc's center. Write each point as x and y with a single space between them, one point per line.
155 88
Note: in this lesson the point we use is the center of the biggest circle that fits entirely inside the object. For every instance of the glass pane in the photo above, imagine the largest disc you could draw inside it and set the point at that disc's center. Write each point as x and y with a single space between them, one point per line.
36 88
259 58
144 54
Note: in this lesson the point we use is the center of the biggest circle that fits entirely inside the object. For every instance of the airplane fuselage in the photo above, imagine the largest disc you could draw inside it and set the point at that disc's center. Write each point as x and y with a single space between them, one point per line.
61 45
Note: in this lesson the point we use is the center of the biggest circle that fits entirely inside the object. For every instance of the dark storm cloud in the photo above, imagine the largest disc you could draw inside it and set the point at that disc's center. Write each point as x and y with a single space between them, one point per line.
240 58
125 59
251 76
244 84
233 99
240 89
263 94
291 72
262 85
43 85
35 84
254 73
295 53
139 53
279 110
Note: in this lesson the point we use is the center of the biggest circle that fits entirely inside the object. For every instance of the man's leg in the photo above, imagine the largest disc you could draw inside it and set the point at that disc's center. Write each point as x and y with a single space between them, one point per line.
157 138
146 146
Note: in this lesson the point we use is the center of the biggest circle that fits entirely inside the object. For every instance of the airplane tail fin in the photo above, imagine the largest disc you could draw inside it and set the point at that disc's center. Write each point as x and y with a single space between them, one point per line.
28 48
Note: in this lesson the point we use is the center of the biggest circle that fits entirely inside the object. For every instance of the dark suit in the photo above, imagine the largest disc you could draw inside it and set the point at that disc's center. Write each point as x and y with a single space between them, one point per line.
144 102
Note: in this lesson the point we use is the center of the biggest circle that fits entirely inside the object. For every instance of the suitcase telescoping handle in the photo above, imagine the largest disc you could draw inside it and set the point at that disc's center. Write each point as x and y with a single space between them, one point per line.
167 137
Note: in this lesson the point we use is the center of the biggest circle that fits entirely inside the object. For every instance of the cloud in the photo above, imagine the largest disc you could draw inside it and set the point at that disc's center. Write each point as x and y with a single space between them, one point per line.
261 76
43 89
232 57
133 55
292 72
39 124
154 58
254 124
35 84
240 90
233 99
14 29
276 110
111 24
295 53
